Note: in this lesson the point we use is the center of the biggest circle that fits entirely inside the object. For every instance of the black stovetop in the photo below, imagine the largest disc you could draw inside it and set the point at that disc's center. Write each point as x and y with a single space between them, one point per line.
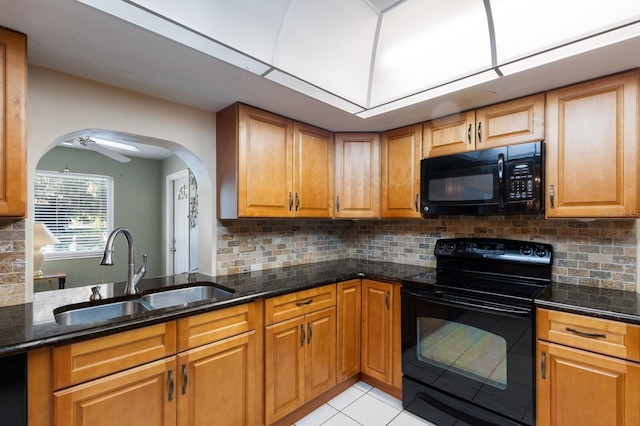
489 269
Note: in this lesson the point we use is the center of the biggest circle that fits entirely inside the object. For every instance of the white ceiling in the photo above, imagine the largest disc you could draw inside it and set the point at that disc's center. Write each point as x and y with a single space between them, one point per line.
315 43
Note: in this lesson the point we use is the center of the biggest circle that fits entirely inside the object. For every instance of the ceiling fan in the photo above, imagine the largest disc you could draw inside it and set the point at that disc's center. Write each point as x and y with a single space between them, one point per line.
100 147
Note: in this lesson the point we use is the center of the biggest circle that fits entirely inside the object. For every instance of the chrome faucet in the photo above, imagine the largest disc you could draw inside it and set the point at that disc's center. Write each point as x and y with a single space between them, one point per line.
133 276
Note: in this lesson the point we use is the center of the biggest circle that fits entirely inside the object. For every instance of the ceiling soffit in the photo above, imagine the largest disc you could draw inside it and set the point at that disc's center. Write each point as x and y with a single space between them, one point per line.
368 57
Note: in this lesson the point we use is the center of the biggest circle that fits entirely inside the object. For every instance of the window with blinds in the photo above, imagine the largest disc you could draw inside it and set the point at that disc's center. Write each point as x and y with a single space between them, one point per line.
77 209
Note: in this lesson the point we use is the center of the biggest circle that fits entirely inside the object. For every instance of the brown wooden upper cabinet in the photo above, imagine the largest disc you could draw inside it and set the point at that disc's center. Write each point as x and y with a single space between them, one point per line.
592 149
401 153
357 175
13 124
517 121
271 166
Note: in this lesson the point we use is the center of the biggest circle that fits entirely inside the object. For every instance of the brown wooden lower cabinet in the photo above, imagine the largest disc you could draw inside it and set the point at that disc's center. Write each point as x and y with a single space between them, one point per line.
584 388
381 339
300 361
215 381
141 396
348 324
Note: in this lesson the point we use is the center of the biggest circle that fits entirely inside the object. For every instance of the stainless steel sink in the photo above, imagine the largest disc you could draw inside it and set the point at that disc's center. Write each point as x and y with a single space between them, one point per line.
184 295
97 313
70 315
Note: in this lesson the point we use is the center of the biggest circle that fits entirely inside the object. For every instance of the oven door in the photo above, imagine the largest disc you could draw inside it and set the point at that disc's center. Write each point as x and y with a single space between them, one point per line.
466 360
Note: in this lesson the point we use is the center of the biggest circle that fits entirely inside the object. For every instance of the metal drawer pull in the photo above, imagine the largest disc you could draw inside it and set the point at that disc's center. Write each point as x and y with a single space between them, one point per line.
543 365
308 302
469 132
170 385
302 334
480 131
185 379
308 333
386 301
290 201
417 200
583 334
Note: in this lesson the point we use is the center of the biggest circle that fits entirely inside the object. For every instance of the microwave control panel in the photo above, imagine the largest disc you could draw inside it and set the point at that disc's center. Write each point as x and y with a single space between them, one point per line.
520 184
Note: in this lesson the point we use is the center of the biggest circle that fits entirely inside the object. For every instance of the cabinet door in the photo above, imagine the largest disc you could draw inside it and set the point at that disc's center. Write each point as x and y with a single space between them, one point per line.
401 153
320 352
517 121
217 383
348 323
357 175
377 303
13 124
141 396
284 367
449 135
312 172
576 387
592 149
265 164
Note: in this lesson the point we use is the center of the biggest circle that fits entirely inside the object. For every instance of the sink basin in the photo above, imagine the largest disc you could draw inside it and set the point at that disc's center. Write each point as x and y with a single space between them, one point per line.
184 295
97 313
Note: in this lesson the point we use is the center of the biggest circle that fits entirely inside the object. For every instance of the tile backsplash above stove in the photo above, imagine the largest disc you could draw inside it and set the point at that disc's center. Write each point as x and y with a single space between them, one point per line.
598 254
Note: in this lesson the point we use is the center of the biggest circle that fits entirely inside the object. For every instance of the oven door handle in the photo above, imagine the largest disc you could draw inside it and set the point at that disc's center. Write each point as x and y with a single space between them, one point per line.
440 297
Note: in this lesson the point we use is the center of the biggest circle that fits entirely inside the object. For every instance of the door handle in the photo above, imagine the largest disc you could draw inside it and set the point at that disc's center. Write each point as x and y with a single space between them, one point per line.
417 200
297 201
551 195
170 385
480 131
338 203
386 301
543 365
302 334
469 133
308 333
290 201
185 379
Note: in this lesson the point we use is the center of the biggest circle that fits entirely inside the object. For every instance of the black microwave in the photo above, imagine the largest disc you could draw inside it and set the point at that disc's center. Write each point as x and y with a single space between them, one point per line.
492 181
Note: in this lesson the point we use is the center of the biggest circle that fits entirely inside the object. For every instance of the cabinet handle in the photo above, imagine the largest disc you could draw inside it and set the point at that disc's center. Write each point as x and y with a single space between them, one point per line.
338 203
417 201
302 332
551 194
185 379
480 131
170 385
583 334
469 133
543 365
290 201
297 201
308 333
386 301
308 302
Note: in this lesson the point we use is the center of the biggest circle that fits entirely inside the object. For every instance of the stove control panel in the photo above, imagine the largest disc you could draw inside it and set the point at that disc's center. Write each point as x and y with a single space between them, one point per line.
495 249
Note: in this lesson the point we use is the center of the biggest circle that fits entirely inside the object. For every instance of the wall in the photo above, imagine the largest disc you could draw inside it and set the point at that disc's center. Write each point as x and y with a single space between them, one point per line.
599 254
60 105
138 188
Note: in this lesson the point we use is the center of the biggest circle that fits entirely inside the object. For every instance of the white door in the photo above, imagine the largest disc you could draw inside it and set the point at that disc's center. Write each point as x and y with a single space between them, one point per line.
178 229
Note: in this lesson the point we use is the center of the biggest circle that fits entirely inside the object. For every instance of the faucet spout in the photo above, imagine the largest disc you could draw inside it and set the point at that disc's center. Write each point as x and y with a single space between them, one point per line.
133 276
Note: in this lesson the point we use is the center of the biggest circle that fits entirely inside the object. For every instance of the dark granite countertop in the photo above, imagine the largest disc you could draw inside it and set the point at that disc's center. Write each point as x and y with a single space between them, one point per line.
593 301
32 325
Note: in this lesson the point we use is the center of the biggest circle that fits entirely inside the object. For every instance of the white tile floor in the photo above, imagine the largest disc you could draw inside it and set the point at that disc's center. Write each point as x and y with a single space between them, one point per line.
362 404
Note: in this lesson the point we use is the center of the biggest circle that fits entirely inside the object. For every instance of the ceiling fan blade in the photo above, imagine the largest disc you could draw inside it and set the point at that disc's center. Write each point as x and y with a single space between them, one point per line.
106 152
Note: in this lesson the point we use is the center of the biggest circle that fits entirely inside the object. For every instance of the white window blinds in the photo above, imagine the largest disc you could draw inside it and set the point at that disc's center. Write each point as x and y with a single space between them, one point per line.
77 209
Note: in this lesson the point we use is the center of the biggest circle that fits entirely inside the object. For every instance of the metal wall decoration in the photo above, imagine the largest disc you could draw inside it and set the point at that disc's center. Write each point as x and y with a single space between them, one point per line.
193 200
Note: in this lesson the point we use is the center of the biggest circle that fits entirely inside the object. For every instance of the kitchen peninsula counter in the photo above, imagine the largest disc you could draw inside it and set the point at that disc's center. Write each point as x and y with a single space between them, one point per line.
32 325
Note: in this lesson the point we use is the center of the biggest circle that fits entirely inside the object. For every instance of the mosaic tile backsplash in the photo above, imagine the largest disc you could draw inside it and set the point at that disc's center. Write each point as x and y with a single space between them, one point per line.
12 262
599 254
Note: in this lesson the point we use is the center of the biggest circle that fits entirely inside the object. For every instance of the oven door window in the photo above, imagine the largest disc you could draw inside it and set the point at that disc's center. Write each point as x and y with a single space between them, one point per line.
463 349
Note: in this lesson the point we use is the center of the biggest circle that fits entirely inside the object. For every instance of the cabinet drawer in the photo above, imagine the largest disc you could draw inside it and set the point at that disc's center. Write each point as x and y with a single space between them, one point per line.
291 305
603 336
78 362
206 328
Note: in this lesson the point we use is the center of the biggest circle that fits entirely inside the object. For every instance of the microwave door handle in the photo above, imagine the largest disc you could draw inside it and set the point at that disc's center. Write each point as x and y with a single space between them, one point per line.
501 188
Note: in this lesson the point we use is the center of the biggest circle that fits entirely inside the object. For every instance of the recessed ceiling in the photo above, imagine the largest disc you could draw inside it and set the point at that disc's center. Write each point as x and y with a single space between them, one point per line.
331 63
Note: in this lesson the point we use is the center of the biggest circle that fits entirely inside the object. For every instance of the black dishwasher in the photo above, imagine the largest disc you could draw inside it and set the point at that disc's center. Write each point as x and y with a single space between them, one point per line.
13 390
